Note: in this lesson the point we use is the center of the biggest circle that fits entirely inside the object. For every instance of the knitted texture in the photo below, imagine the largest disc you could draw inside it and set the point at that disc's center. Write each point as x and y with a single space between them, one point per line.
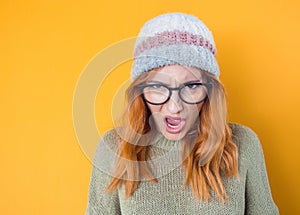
174 38
249 194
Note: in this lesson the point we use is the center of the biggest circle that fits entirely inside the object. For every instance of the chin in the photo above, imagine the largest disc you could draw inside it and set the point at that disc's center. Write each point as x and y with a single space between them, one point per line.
170 136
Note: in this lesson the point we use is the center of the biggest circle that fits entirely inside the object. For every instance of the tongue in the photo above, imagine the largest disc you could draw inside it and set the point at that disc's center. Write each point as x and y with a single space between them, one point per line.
173 121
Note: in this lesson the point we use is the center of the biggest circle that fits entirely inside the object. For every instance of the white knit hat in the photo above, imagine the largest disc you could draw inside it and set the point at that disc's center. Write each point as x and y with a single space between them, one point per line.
174 38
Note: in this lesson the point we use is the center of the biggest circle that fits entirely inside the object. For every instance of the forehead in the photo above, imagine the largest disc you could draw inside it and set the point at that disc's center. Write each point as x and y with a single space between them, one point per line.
176 73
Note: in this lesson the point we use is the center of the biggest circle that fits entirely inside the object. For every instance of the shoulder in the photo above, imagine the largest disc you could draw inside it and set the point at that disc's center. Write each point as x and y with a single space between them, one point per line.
242 132
247 141
106 152
110 138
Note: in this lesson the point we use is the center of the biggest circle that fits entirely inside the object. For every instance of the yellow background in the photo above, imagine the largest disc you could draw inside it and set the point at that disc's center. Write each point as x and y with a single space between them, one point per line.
45 45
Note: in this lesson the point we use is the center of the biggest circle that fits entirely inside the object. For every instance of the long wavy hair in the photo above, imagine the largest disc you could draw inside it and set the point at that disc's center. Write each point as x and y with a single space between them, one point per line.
213 154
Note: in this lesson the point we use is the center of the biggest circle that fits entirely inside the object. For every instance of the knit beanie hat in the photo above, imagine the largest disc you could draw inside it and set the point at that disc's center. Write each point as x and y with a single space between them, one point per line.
174 38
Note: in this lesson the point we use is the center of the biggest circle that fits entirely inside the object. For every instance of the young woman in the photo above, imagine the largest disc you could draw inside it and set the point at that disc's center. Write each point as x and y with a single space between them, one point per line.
175 152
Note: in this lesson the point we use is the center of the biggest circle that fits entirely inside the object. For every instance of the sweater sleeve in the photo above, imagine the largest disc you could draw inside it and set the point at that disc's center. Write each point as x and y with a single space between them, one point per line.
258 197
100 202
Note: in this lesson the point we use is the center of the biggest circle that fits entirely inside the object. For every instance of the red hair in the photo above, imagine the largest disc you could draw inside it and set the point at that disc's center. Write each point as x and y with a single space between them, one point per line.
213 155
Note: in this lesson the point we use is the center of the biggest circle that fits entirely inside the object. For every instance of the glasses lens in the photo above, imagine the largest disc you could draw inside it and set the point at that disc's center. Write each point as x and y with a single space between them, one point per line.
193 93
156 94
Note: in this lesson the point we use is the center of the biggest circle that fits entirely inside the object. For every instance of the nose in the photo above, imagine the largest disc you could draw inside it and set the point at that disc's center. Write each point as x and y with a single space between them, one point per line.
174 105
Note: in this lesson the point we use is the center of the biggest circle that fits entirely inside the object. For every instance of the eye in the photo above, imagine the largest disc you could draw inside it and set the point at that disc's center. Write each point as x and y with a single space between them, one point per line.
193 85
157 86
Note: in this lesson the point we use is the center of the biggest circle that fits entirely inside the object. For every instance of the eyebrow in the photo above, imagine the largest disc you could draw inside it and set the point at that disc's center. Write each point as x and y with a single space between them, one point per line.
188 82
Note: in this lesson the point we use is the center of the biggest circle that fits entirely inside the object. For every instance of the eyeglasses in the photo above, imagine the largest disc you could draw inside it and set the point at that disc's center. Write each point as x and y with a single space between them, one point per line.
190 92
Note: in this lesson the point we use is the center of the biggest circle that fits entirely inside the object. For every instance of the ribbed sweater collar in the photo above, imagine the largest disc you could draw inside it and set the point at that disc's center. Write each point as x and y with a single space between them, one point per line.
160 141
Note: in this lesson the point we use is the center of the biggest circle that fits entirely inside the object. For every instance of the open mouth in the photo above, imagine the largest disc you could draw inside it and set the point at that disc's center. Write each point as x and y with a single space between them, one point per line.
174 124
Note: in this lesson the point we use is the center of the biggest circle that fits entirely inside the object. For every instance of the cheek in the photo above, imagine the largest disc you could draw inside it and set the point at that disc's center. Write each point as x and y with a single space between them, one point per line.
193 109
199 106
154 108
193 112
156 116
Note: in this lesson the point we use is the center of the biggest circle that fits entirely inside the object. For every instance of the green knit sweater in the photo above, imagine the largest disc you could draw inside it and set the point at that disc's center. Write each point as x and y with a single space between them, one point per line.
248 194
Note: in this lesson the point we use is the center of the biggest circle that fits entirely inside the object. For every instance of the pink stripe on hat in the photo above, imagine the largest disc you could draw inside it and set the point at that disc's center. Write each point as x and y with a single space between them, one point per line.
175 37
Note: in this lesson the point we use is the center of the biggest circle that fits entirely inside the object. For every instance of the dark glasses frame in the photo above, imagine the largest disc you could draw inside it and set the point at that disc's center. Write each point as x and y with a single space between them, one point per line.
207 85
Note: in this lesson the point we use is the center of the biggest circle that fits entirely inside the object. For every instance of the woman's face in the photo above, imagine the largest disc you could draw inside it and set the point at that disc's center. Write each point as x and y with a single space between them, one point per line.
175 118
